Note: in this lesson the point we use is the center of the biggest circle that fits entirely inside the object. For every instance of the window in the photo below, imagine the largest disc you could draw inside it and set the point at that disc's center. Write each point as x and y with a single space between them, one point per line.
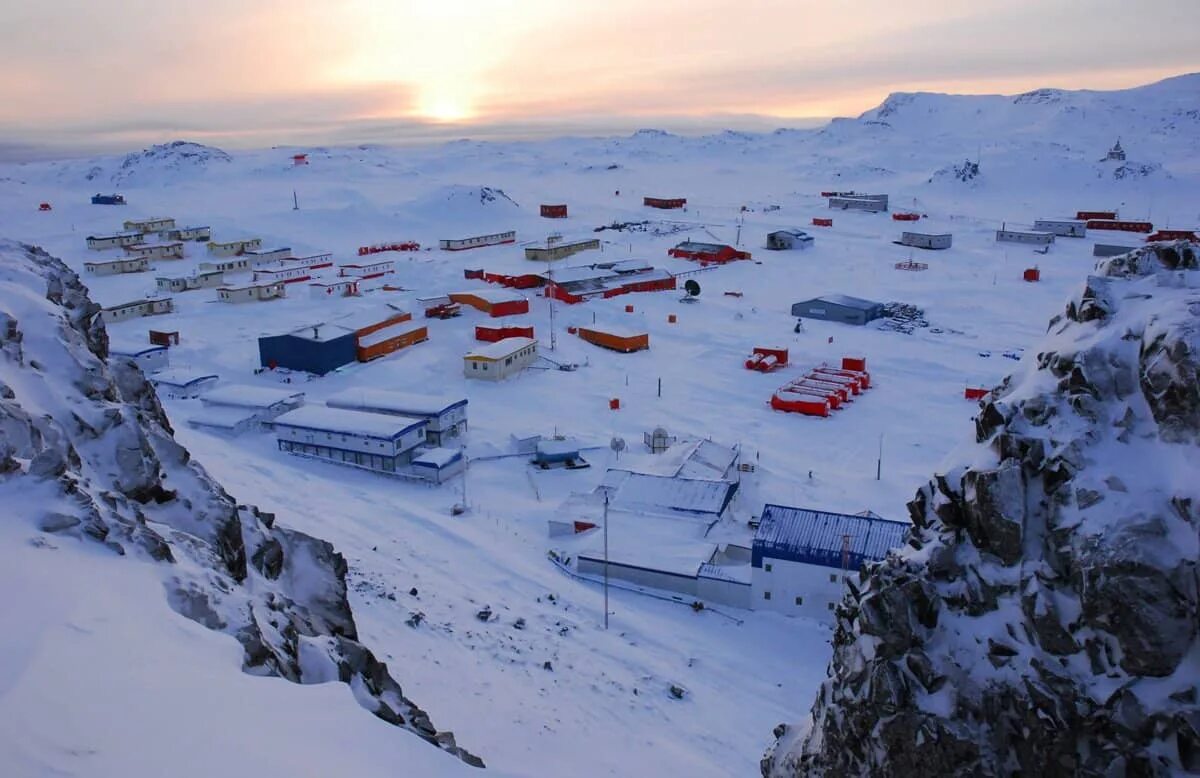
766 595
799 600
767 567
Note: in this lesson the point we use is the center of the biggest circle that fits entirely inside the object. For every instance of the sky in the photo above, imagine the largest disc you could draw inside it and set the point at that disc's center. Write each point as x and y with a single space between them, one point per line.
94 74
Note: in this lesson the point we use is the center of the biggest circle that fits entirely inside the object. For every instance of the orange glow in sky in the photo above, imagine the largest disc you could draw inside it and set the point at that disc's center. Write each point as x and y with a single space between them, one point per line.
269 68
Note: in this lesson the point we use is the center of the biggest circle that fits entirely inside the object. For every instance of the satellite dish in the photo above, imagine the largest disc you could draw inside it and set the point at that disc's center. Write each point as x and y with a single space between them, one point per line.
692 288
617 444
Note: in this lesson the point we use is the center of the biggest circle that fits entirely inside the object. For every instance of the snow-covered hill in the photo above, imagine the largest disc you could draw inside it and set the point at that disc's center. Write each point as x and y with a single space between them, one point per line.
1043 617
99 497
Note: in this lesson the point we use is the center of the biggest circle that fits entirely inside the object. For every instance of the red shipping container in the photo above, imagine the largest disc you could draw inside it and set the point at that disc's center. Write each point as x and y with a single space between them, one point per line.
975 394
1032 274
822 222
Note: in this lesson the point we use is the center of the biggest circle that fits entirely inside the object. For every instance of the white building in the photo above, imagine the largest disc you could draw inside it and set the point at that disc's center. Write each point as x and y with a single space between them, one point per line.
172 250
925 240
148 358
367 269
479 241
284 274
446 416
209 279
373 441
182 383
800 559
341 287
149 225
438 465
789 239
233 248
1035 238
1067 228
263 257
151 306
869 203
497 361
112 267
236 408
252 293
312 262
236 265
114 241
196 233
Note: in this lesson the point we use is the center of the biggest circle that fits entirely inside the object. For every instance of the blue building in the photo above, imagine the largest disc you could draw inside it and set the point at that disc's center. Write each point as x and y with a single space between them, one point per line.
800 556
318 349
108 199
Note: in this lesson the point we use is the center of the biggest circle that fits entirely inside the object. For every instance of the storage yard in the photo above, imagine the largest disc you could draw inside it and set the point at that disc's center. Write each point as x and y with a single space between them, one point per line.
702 366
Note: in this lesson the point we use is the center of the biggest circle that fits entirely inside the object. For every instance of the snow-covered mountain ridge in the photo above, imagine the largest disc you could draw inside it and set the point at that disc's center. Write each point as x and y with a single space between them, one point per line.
1043 619
88 456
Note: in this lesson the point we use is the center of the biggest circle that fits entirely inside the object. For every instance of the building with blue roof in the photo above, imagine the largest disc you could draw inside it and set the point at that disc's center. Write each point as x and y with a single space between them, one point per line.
800 557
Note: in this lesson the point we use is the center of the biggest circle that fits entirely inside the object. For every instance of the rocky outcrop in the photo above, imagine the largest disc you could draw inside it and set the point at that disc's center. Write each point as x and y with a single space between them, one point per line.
91 440
1043 617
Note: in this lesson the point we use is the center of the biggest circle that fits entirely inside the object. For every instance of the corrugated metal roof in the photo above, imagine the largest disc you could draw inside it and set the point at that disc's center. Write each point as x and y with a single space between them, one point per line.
639 491
817 537
500 349
390 401
845 300
338 420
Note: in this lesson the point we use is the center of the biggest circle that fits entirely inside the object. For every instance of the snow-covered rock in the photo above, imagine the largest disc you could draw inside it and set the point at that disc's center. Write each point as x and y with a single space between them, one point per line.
87 454
161 162
1043 618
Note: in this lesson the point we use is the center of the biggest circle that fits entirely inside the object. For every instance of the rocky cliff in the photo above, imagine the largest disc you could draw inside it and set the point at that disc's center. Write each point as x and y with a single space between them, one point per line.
1043 618
85 444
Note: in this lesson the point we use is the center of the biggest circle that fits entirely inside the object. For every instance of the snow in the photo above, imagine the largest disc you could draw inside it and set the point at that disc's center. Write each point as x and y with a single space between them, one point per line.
501 348
251 396
437 457
180 376
91 684
224 417
485 681
390 331
392 401
326 419
701 497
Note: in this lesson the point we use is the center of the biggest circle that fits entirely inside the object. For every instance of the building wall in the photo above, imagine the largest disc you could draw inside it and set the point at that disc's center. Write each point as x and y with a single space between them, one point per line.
318 357
233 248
439 475
1016 236
925 241
1109 250
831 312
640 576
380 463
1067 229
229 266
797 589
351 442
562 250
723 592
498 370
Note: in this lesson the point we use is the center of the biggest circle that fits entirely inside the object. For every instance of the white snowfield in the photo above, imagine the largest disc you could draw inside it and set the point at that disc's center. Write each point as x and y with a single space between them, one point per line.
560 695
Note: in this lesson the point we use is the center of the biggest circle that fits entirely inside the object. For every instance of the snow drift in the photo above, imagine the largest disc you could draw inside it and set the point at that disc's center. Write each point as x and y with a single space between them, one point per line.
1043 618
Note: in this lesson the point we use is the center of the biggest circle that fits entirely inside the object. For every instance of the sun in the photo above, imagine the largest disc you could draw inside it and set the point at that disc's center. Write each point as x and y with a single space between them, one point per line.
444 108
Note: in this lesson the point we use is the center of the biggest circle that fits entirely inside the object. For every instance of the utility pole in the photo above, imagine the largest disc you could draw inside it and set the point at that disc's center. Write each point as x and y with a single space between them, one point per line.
295 201
550 288
606 559
879 462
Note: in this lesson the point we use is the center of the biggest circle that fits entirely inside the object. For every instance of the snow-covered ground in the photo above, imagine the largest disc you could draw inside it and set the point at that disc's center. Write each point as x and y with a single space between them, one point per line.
603 707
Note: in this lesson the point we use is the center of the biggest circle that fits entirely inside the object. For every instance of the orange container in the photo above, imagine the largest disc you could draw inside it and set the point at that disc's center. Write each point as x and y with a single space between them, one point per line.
628 309
614 404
